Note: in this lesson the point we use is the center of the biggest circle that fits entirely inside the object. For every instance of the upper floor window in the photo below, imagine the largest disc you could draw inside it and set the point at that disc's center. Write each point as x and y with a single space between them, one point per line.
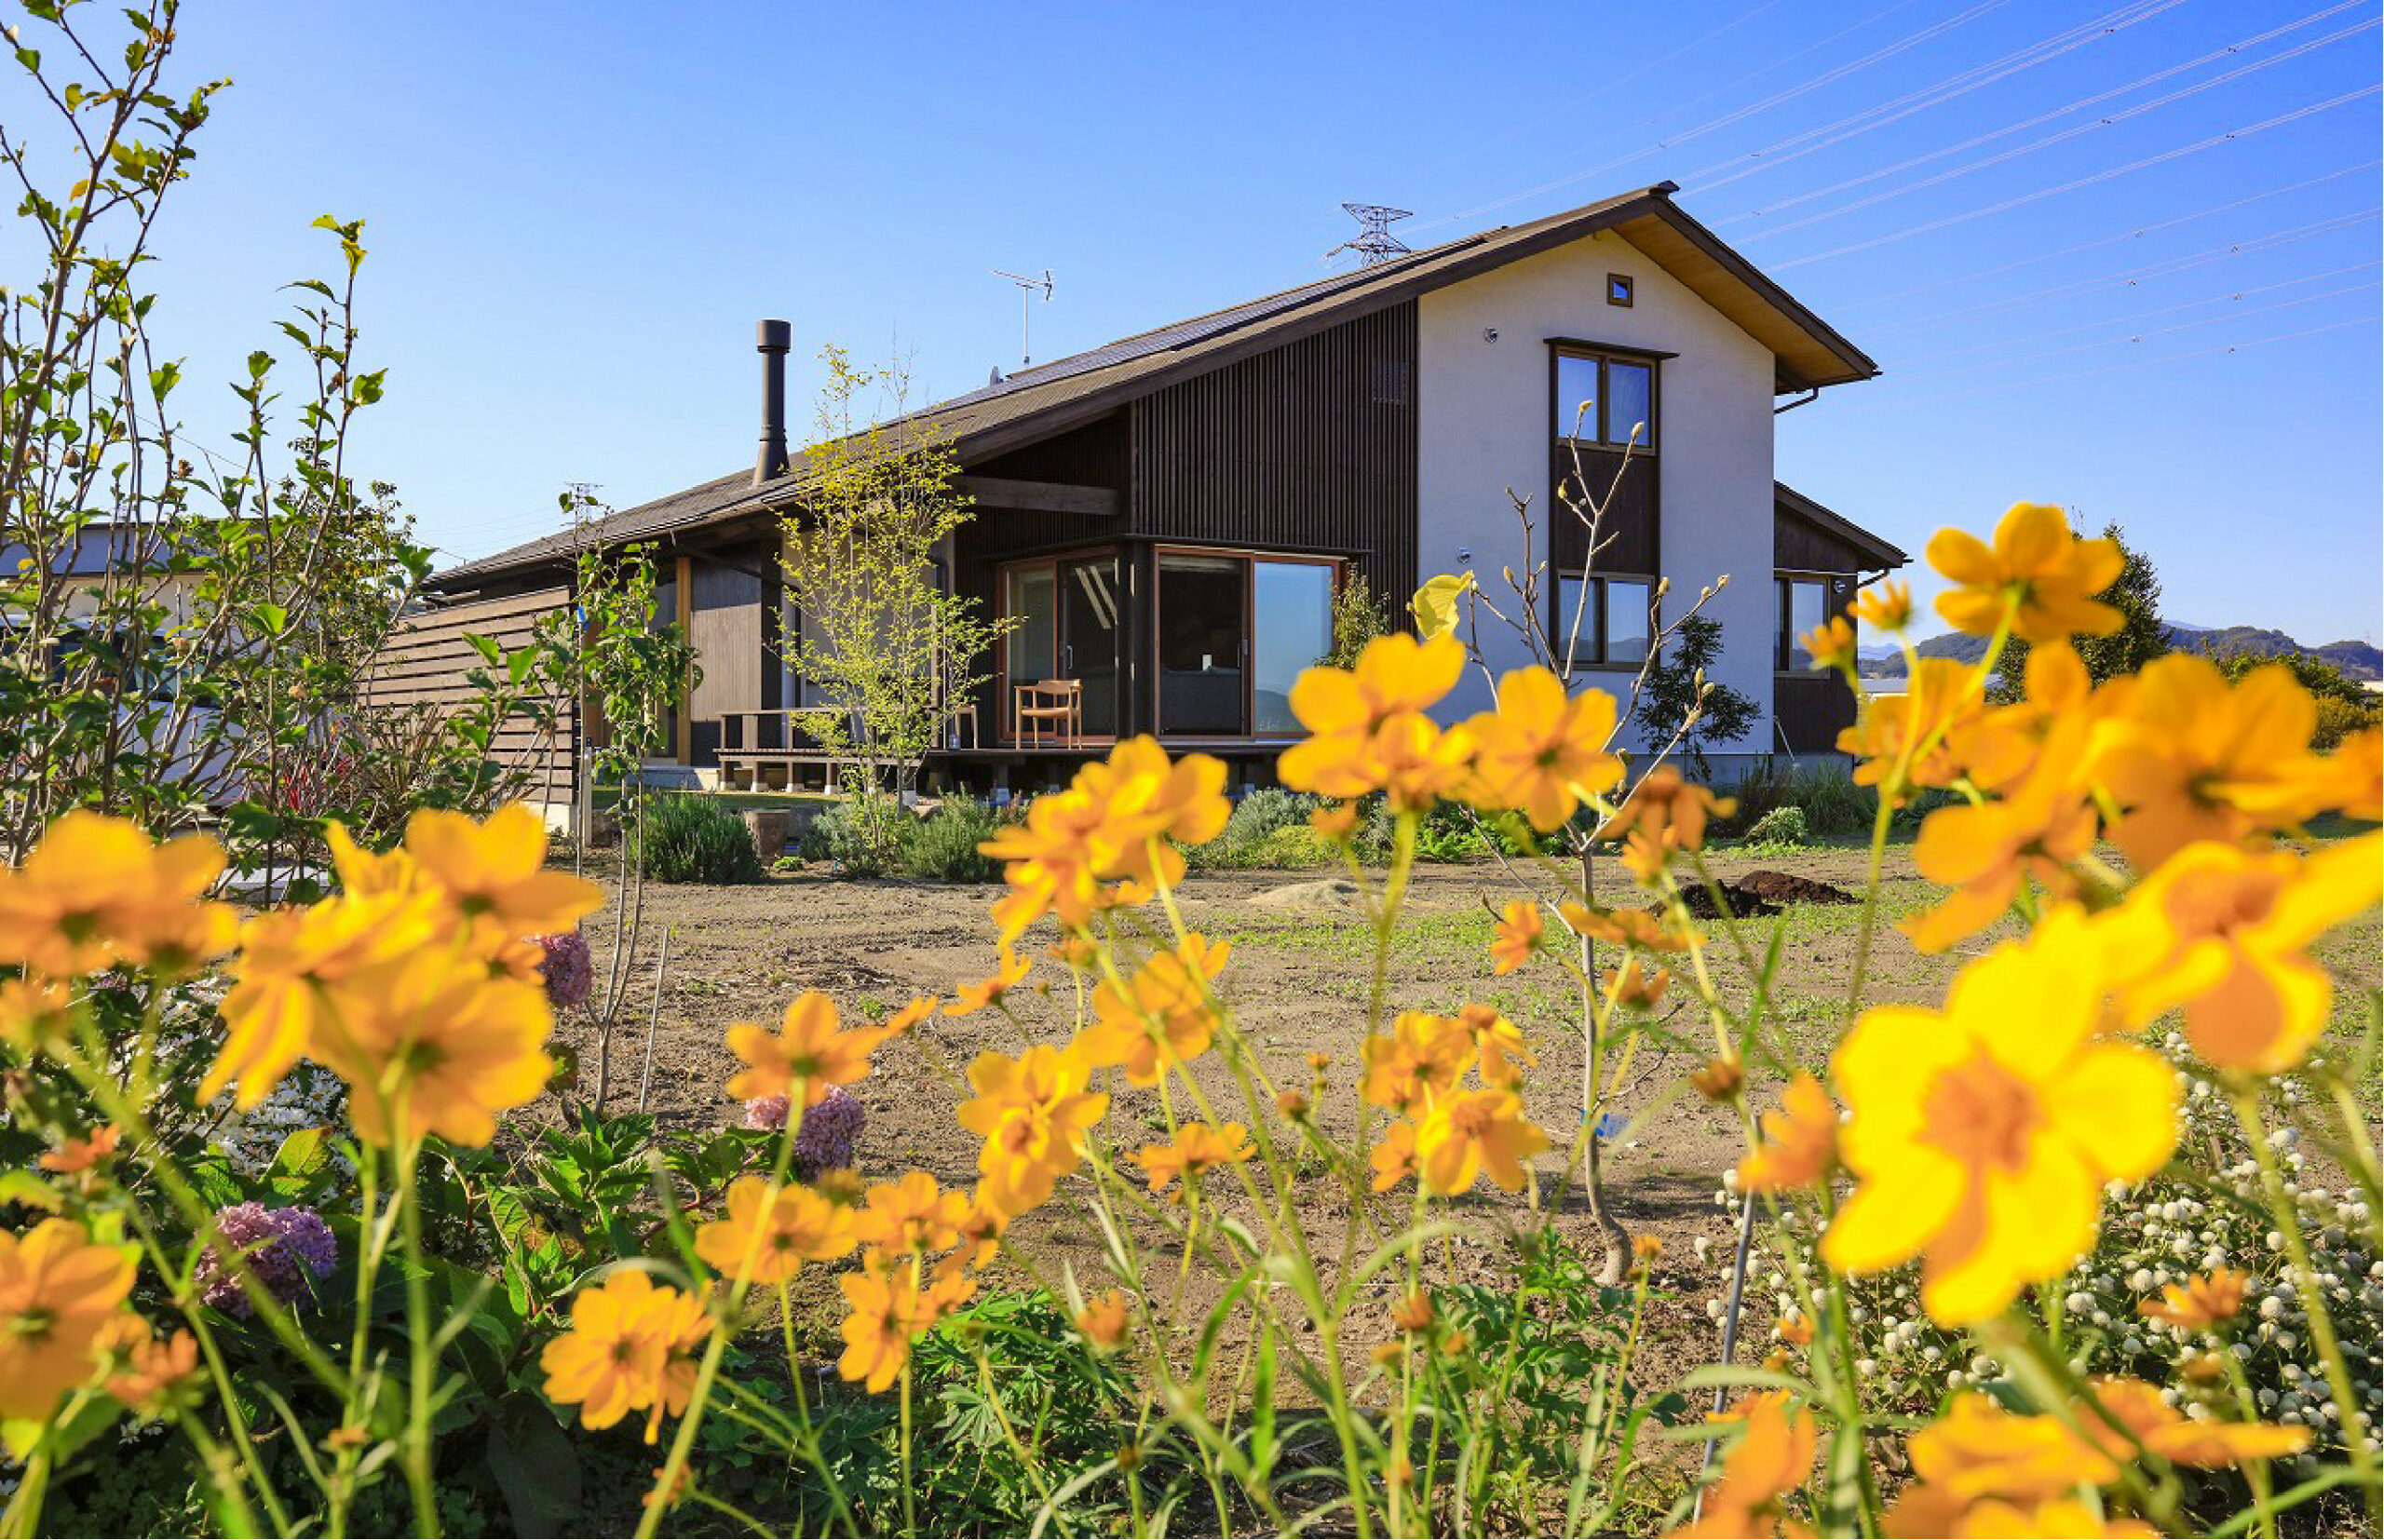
1606 398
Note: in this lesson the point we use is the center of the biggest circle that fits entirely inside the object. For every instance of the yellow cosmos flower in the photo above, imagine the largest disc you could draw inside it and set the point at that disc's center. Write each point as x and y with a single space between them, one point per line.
2182 1440
1498 1044
498 867
1634 989
1902 741
2225 934
1104 1320
1335 823
2201 1301
2195 758
1627 927
98 890
1196 1149
1160 1017
152 1367
57 1293
1422 1058
889 1310
1542 752
777 1228
1393 1158
1984 1149
810 1050
911 1215
2039 574
1342 709
1471 1133
628 1349
1517 935
986 993
1799 1140
1997 747
1989 852
1830 644
1886 605
1113 825
1668 808
1032 1112
432 1037
1770 1458
2351 779
34 1011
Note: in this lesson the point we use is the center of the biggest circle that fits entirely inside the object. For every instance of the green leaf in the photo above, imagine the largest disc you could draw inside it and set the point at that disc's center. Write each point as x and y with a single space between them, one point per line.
487 647
1434 606
26 1188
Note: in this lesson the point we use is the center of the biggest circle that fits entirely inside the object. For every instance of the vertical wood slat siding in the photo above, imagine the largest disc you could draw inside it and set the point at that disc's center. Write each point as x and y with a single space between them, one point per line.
1630 516
1309 446
425 659
1813 708
726 625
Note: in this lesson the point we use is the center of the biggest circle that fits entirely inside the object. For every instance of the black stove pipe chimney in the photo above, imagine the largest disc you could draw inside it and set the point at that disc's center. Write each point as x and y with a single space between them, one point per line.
775 338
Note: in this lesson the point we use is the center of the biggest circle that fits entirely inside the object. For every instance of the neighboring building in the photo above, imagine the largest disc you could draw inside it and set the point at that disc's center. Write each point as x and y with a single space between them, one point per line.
1169 515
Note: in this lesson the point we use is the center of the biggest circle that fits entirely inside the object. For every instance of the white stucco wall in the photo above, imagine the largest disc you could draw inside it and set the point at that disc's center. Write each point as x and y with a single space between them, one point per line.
1485 424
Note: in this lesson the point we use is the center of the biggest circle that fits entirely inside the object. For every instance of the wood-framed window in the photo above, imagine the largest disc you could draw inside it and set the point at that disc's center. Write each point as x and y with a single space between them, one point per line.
1603 396
1070 613
1231 632
1618 290
1805 600
1608 624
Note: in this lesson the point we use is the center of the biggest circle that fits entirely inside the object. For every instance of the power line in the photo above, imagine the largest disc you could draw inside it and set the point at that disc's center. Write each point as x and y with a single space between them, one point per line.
1961 84
2080 105
2140 231
2010 386
2140 316
2007 204
2131 340
2017 151
1910 40
2166 267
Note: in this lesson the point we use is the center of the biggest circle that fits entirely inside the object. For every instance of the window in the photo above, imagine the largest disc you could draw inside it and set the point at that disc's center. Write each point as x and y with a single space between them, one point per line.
1234 632
1804 605
1608 624
1067 626
1605 400
1618 290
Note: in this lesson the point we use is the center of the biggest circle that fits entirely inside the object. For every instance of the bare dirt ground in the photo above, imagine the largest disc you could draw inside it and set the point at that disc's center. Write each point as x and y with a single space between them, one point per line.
1297 982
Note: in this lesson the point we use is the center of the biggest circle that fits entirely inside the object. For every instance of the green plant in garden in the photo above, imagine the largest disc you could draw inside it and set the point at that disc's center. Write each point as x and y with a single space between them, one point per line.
943 847
689 838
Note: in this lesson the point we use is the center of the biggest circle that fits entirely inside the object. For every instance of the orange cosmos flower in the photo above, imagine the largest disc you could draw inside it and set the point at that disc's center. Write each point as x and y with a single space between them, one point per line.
1393 1159
911 1216
1887 605
777 1228
981 1229
1770 1459
1498 1044
808 1050
1830 644
1942 696
1468 1133
1989 852
1033 1112
1160 1017
1344 708
2039 574
628 1349
1074 950
433 1039
1518 930
1104 1321
2201 1301
987 993
1335 823
57 1293
1627 927
1720 1080
1984 1150
1998 746
81 1155
98 890
1422 1058
1799 1140
1670 808
1197 1150
1542 752
1632 989
1150 804
2195 758
887 1311
152 1366
2181 1441
2225 934
496 866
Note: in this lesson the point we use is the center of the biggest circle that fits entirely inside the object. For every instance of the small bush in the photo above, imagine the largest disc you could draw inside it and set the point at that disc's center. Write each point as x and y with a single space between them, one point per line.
1784 826
864 835
945 847
689 839
1825 793
1252 834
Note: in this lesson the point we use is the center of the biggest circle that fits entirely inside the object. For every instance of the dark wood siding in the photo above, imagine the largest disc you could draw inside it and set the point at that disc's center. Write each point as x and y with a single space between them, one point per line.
1812 710
727 624
1306 447
1797 546
1628 529
424 662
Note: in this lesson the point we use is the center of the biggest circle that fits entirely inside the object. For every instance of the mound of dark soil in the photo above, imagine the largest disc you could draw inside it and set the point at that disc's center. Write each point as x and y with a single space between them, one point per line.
1699 901
1780 887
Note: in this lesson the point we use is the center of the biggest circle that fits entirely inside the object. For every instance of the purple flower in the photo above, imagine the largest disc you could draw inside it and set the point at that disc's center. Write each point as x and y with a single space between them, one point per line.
825 1140
570 973
288 1249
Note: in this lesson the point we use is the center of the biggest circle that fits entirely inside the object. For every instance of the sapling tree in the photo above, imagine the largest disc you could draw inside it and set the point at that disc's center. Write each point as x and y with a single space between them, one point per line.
1681 698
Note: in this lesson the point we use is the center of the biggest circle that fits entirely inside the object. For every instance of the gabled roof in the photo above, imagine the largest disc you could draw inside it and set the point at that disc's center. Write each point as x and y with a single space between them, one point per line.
1051 399
1883 555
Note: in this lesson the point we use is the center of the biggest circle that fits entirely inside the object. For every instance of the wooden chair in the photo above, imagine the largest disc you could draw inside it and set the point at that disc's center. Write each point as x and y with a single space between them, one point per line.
1050 712
965 713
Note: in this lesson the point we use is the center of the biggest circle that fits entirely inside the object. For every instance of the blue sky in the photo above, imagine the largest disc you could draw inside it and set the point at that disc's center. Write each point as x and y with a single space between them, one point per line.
576 212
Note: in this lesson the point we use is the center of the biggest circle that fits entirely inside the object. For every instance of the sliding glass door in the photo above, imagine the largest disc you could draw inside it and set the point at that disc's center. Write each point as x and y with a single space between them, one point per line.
1068 628
1234 631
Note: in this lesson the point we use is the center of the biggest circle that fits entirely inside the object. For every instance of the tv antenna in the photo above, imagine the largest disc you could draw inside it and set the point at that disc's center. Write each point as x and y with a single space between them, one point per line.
1026 288
1374 242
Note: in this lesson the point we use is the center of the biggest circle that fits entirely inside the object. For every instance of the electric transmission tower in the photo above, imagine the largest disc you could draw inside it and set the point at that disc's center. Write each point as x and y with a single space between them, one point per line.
1374 242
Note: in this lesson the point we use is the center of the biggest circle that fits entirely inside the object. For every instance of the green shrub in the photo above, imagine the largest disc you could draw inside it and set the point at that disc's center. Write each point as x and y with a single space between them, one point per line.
692 839
1784 826
945 847
866 836
1824 793
1253 833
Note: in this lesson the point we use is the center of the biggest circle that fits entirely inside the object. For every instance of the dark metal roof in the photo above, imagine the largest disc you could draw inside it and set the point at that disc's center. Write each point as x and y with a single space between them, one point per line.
1052 398
1884 554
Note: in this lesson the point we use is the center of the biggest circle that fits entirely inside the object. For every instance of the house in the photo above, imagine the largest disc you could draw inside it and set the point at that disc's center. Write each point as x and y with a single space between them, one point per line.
1169 515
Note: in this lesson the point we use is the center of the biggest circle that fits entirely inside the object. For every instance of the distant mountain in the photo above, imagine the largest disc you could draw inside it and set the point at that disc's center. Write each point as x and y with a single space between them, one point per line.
2356 659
